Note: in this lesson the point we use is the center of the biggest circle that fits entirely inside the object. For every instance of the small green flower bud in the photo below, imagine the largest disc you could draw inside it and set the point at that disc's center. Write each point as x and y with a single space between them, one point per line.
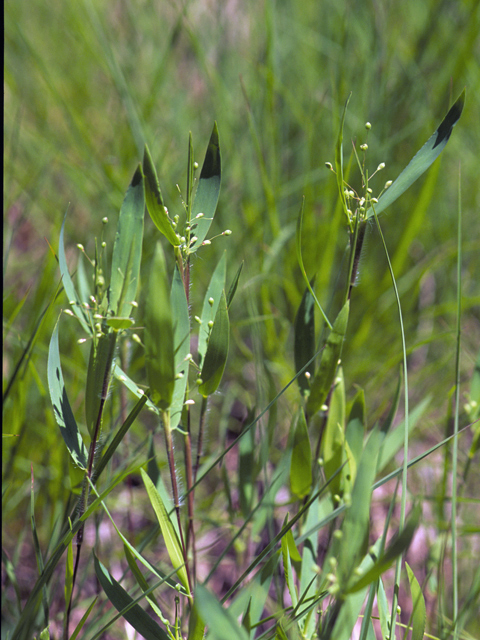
364 147
368 126
211 301
105 220
381 166
68 312
206 243
198 320
195 165
227 232
388 183
329 165
210 324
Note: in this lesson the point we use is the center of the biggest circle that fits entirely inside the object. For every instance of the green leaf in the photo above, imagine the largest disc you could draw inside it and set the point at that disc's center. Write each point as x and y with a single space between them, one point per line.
172 542
301 463
159 341
304 341
61 406
154 202
127 248
221 624
287 568
325 375
77 306
217 351
398 545
357 519
181 343
233 286
208 190
423 159
210 304
100 365
119 324
333 440
123 603
419 613
339 158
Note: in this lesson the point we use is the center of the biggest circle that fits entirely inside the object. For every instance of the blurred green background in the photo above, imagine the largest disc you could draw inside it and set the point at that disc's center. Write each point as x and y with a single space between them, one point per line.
88 83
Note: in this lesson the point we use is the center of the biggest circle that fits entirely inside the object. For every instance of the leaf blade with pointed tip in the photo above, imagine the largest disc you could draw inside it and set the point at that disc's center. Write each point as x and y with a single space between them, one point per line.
61 406
208 191
154 201
172 542
423 159
127 248
217 351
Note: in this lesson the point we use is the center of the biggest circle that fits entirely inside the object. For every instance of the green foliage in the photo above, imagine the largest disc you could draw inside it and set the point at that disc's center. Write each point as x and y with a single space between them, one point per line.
261 515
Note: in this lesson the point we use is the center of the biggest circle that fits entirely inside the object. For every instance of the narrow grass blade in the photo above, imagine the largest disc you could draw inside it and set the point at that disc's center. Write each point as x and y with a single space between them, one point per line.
323 379
419 613
83 620
99 371
159 349
123 602
154 201
356 523
181 344
172 542
397 547
304 340
76 306
208 190
142 583
298 246
301 463
221 624
287 568
423 159
339 160
217 351
210 304
233 286
127 248
61 406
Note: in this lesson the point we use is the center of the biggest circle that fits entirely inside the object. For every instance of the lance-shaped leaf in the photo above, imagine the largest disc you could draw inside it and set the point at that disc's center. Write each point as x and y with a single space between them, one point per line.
159 349
208 190
419 613
210 304
181 342
217 351
423 159
333 440
304 343
154 201
61 406
124 604
77 306
398 545
127 248
172 542
301 463
323 380
98 377
221 624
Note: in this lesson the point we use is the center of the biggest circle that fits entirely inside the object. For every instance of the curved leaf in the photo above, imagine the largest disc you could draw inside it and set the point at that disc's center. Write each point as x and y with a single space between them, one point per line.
127 248
154 202
208 190
419 613
61 406
159 351
210 304
423 159
217 351
304 341
301 464
123 603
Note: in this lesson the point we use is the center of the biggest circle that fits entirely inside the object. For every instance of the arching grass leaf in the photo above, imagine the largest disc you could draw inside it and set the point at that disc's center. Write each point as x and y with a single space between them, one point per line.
127 248
301 463
154 201
208 190
181 343
217 351
61 406
304 342
423 159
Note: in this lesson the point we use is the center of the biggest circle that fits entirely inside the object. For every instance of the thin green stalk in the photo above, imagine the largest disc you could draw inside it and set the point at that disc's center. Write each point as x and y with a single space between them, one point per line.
403 507
457 409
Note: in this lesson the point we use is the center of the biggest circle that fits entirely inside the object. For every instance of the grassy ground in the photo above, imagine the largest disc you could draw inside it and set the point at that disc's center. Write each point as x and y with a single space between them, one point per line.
87 84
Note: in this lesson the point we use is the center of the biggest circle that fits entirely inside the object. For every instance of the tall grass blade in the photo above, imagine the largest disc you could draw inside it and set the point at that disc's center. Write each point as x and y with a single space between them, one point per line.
304 340
208 191
61 406
217 351
154 201
423 159
210 304
221 624
301 464
419 613
159 334
181 343
172 542
133 613
127 248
